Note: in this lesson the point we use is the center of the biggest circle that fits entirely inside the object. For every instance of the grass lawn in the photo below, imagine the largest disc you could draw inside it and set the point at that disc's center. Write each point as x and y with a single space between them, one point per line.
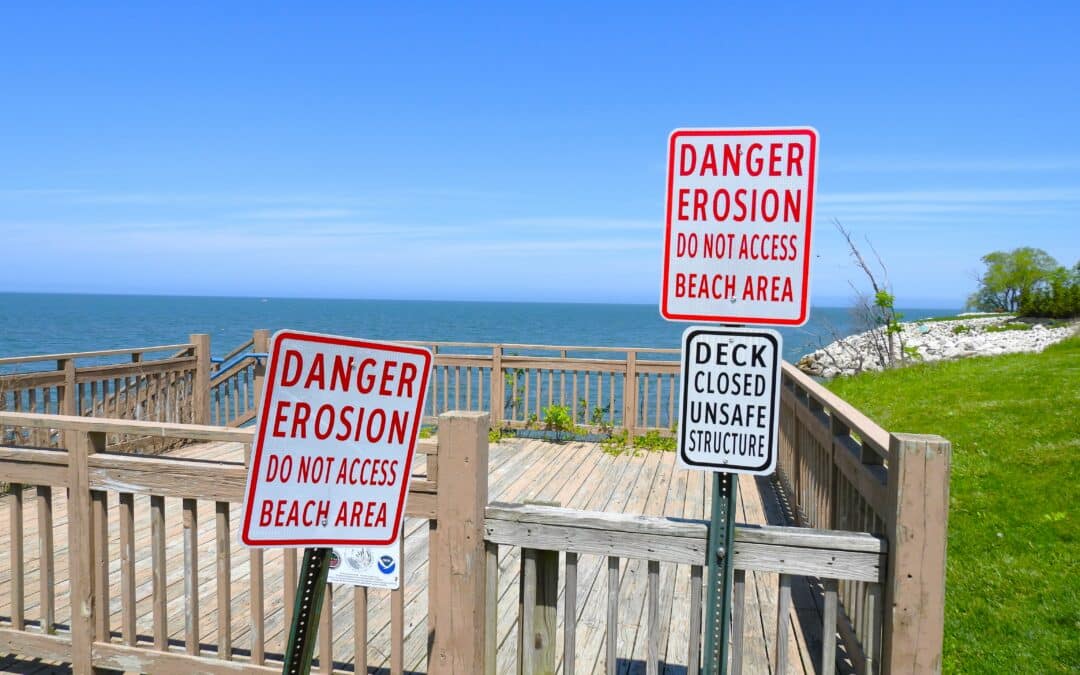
1013 572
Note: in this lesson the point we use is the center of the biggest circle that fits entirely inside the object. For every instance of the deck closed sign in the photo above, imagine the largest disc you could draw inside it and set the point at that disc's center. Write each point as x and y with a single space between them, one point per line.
339 422
731 396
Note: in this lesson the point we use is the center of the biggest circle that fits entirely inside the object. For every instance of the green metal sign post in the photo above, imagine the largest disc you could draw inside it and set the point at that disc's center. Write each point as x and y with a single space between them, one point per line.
721 571
305 623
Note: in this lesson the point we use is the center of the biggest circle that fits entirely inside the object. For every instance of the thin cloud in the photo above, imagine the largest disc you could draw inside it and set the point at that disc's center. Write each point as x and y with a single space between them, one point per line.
580 223
1069 194
297 214
988 165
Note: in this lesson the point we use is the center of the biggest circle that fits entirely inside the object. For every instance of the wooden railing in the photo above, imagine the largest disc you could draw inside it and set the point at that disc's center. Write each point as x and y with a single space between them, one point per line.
617 541
117 384
591 382
125 599
233 399
839 470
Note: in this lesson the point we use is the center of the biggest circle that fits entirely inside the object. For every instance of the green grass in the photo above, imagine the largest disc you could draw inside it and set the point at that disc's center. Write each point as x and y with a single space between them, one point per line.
1001 328
1013 570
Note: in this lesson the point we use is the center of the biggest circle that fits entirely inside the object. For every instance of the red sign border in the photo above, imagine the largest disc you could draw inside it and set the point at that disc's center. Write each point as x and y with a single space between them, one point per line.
812 134
256 451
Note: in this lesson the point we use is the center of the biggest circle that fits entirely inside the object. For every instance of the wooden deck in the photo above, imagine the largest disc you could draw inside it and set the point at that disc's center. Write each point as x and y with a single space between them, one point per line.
575 475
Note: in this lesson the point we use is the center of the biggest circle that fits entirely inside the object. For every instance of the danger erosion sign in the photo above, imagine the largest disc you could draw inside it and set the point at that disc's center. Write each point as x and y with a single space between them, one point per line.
731 396
338 425
739 210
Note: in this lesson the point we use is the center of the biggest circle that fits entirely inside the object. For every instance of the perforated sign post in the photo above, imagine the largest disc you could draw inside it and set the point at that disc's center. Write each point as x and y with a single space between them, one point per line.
338 425
736 251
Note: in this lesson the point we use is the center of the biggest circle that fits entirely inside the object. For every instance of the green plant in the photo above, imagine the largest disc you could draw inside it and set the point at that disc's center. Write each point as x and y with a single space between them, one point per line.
962 328
1005 327
582 411
1010 276
515 396
616 444
654 442
496 434
651 441
1059 298
912 353
557 418
427 432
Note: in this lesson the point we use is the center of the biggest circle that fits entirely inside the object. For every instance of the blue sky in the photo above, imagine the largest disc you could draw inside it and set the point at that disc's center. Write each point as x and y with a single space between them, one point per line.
493 151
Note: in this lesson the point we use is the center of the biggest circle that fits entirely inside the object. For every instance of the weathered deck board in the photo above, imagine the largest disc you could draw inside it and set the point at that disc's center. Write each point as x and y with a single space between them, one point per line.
574 475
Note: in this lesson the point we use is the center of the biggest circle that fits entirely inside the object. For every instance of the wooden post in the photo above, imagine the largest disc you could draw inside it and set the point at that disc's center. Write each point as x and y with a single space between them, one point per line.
630 396
80 539
497 392
917 525
537 598
201 386
459 608
260 344
67 400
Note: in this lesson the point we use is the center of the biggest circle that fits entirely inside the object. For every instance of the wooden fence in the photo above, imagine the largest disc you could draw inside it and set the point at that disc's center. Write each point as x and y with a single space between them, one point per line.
136 586
841 471
616 540
171 386
838 470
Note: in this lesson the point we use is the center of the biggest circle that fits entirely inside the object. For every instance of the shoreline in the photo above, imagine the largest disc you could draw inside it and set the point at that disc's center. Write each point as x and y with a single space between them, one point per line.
937 340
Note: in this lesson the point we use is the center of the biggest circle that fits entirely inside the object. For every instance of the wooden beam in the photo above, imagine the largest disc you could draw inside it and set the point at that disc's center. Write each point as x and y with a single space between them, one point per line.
917 524
201 386
459 603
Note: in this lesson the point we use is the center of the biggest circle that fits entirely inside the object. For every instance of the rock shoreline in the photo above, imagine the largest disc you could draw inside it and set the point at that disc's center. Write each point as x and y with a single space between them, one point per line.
935 341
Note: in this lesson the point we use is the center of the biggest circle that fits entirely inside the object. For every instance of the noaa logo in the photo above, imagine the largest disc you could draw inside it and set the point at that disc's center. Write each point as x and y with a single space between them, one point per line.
386 564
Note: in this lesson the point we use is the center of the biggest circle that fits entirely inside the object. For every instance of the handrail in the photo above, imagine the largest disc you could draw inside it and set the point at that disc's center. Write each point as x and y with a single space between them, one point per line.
199 432
225 365
853 556
86 355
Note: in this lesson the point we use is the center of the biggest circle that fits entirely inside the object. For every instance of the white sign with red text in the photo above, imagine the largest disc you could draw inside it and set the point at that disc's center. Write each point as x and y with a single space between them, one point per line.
338 425
739 213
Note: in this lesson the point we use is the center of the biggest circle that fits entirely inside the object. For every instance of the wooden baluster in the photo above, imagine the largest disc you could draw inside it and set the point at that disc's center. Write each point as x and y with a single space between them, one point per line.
491 601
612 614
223 548
326 632
360 629
693 657
127 566
191 577
738 621
653 652
570 613
18 570
397 615
160 573
783 621
47 588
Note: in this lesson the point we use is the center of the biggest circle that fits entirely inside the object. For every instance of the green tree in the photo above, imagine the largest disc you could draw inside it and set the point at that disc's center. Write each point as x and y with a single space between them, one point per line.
1058 298
1009 276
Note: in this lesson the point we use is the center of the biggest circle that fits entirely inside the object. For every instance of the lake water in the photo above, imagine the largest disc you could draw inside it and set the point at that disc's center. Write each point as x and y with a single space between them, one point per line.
51 323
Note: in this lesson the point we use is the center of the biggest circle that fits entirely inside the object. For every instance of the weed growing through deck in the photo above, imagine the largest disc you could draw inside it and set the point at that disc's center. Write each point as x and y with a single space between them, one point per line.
651 441
1012 596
